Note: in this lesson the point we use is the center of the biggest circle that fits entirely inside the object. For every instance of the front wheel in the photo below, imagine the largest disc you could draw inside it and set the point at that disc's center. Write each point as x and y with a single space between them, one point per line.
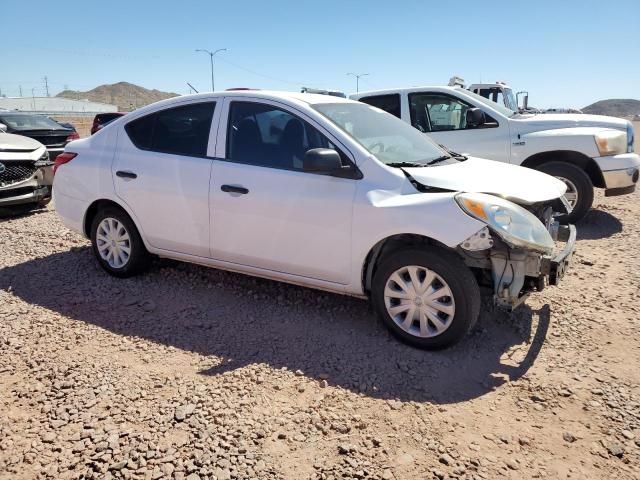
427 298
117 244
579 194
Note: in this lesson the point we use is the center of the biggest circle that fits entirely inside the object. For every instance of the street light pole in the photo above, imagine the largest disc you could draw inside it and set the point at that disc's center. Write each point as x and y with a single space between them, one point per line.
358 75
211 55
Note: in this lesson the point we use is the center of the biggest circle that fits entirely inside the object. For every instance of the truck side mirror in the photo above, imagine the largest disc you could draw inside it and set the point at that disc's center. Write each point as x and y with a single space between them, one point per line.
475 118
3 128
525 102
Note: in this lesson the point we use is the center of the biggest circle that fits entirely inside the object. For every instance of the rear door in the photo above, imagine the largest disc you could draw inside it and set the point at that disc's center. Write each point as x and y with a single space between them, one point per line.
161 170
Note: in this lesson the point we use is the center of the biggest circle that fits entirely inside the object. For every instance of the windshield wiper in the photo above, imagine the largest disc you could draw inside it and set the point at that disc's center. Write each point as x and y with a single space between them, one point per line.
439 159
405 164
455 155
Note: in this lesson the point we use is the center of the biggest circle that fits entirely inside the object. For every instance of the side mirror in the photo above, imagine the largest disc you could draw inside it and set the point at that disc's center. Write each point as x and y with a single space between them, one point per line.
525 102
475 117
321 160
3 128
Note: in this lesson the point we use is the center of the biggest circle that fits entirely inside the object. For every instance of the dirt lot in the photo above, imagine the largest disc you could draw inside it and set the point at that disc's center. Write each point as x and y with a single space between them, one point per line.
192 373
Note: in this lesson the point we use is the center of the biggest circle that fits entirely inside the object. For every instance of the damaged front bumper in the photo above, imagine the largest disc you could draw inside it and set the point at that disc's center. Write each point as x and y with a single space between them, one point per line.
513 273
33 189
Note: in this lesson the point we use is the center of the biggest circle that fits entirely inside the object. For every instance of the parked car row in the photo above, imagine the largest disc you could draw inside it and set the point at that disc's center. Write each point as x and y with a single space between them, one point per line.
318 191
29 145
412 198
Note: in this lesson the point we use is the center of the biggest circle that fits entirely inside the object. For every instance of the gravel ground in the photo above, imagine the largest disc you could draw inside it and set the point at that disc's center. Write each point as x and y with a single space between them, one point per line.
193 373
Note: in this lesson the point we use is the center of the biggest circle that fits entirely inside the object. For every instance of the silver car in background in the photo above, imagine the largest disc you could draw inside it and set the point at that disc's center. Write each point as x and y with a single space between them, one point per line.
26 173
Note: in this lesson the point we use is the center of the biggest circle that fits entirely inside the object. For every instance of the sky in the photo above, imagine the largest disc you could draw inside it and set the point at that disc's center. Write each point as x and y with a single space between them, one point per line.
564 53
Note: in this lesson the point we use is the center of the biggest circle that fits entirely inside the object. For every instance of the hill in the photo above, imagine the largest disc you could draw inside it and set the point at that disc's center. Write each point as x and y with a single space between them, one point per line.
126 96
615 107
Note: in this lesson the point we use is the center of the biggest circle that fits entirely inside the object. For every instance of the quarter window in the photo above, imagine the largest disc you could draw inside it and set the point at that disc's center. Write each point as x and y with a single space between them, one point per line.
181 130
434 112
388 103
260 134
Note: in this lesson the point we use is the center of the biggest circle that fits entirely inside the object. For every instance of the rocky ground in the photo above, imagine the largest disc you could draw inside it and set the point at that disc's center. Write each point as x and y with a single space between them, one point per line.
192 373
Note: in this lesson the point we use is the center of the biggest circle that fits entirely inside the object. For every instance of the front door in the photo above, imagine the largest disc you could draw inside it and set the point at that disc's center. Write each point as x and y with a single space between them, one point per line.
161 171
443 117
266 211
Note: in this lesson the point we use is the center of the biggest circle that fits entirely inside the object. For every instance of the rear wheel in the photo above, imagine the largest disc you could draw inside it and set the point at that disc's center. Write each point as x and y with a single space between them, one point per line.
117 244
426 298
579 193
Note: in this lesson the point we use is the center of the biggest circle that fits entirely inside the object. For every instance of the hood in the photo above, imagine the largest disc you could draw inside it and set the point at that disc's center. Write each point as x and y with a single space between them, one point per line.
476 175
18 143
567 120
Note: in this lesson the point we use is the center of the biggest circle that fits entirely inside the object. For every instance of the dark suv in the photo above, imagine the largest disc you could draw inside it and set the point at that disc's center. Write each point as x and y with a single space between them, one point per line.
39 127
101 119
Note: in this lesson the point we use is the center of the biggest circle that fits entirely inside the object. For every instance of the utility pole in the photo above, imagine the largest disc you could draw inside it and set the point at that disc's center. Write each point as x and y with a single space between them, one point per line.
358 75
33 97
211 55
46 85
20 86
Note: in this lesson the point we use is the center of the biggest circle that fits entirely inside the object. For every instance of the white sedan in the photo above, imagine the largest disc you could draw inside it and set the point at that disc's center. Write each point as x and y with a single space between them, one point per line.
318 191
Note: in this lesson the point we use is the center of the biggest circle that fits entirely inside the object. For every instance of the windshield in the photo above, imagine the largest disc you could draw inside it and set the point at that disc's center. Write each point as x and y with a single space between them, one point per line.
388 138
507 112
29 122
510 100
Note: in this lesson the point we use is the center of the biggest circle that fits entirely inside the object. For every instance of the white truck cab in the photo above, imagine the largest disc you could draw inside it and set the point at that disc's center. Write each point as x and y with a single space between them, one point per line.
585 151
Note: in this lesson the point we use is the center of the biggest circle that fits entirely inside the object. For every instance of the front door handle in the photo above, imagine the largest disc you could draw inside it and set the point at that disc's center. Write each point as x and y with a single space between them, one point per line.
126 174
234 189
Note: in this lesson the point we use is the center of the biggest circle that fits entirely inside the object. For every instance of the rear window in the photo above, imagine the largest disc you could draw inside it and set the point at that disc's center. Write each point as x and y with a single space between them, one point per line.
29 122
180 130
107 117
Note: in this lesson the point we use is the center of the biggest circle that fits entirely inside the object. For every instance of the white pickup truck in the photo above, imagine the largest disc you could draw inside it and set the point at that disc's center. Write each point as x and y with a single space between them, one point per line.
585 151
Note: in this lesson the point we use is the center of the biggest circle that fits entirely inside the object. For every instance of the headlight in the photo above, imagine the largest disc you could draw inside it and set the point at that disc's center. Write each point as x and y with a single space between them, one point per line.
630 137
514 224
611 142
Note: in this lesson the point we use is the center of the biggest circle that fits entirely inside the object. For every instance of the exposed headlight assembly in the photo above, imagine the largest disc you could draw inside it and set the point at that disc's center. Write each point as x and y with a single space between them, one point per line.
611 142
515 225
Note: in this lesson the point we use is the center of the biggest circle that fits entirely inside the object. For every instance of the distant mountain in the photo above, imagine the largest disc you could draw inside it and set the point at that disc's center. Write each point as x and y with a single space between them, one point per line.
126 96
615 107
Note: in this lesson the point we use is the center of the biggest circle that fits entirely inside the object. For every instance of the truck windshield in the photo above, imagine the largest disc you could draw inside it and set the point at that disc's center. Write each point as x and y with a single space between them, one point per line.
507 112
388 138
510 100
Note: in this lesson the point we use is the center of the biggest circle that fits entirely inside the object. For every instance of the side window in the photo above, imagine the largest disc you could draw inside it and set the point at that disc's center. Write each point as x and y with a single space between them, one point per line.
267 136
181 130
435 112
388 103
140 131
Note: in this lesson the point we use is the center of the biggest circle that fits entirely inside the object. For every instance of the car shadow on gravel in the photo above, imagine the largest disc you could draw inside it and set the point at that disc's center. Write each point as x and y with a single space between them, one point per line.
598 224
235 321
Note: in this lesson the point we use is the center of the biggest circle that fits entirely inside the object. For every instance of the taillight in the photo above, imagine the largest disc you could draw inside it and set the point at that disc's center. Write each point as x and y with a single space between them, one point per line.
64 157
73 136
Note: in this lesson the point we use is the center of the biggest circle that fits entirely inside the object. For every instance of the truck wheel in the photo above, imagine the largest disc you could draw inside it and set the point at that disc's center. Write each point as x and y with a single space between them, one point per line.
117 244
427 298
579 188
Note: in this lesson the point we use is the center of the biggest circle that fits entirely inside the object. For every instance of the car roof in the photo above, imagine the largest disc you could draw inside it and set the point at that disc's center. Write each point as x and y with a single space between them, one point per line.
389 91
301 99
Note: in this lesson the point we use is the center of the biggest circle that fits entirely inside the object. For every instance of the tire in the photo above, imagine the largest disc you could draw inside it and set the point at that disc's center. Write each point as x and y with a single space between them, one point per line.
574 176
108 223
446 271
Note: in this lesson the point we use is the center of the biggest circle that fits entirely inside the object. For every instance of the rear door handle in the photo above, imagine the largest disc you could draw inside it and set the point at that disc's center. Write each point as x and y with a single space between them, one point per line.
125 174
234 189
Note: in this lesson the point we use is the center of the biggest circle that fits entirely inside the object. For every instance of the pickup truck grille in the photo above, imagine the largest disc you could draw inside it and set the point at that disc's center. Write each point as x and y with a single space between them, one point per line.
16 172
